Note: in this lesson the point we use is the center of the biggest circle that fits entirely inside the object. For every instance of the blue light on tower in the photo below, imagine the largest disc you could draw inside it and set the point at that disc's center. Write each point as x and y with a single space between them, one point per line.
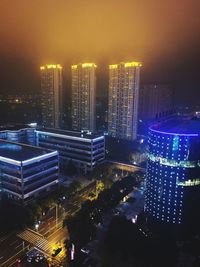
173 170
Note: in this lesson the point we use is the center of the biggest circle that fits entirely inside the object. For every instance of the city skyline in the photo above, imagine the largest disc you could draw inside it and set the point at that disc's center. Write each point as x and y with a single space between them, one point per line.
99 133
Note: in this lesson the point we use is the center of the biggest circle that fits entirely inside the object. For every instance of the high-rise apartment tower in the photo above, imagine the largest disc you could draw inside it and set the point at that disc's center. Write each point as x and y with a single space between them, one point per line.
124 80
84 96
51 95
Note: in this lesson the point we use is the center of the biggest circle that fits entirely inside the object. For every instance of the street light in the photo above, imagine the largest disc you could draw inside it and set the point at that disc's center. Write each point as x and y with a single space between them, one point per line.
56 206
36 226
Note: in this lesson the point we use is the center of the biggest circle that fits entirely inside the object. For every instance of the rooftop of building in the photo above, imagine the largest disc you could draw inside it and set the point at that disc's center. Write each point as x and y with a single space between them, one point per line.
84 65
20 152
126 64
83 134
14 127
178 126
50 66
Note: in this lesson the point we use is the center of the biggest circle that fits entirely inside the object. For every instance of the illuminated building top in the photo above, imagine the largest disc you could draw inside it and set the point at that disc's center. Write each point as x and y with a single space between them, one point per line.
51 66
126 65
84 65
113 66
74 67
132 64
76 135
178 126
17 152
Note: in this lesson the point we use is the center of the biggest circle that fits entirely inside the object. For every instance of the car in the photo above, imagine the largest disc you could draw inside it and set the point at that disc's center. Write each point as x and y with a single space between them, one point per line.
18 260
29 259
37 259
85 250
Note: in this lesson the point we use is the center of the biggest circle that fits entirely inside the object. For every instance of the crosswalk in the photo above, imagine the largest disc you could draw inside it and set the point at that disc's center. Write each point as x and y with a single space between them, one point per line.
36 239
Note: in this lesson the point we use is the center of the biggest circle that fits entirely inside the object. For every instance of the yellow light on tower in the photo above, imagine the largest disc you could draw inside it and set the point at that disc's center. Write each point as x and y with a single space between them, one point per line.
88 65
74 67
113 66
51 66
132 64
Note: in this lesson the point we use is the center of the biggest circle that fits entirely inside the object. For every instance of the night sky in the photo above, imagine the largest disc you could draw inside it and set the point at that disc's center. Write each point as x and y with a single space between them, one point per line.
163 35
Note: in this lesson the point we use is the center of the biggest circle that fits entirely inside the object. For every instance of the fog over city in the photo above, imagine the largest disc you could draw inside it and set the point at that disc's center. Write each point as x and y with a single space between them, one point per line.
163 35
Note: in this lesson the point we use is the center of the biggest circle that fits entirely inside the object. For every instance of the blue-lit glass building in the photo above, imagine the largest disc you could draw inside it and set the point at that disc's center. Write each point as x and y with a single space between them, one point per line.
173 171
18 133
27 172
83 149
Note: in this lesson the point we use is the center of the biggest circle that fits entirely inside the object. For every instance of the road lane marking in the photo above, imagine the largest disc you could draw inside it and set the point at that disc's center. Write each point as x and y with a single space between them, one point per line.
18 246
12 257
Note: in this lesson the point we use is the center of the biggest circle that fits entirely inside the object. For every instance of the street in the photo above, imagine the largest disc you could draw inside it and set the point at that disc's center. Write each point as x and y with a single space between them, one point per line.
47 233
13 245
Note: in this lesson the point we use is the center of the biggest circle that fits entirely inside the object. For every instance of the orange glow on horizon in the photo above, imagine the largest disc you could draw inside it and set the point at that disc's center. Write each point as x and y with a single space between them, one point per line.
109 28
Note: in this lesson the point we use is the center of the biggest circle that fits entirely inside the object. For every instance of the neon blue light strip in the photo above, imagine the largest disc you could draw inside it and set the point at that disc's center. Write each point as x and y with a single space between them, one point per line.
161 132
10 161
70 137
13 193
40 188
29 161
39 173
98 138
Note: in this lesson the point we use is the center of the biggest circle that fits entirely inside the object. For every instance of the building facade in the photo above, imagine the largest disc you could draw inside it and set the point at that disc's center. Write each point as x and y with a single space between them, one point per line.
173 171
156 101
124 81
27 172
51 95
84 97
19 134
84 150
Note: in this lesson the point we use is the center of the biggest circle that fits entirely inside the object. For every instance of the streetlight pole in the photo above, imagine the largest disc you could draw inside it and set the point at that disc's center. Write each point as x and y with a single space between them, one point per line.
56 215
96 188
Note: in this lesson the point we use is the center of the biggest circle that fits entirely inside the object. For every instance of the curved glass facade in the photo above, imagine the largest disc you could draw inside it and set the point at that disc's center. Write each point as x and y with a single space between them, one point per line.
173 175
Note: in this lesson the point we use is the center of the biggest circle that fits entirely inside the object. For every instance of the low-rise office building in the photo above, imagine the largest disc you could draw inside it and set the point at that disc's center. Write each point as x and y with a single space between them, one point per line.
83 149
26 172
18 133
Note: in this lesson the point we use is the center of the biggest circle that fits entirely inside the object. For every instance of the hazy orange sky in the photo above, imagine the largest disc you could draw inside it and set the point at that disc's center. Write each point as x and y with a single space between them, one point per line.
68 31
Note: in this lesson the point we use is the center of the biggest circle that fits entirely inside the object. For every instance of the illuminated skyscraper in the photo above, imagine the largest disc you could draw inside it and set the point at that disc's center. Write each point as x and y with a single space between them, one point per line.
84 97
124 80
51 95
173 172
